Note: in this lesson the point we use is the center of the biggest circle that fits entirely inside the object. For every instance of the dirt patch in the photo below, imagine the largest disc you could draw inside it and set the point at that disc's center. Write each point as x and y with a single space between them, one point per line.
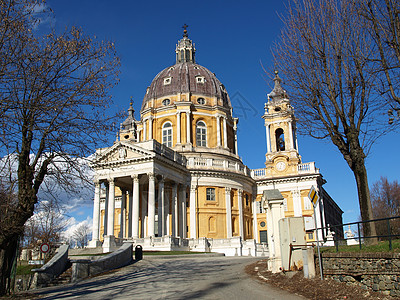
315 288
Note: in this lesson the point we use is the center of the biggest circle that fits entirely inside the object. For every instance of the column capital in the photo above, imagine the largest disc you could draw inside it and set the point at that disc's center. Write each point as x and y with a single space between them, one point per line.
193 188
240 192
135 177
96 183
151 175
111 180
228 190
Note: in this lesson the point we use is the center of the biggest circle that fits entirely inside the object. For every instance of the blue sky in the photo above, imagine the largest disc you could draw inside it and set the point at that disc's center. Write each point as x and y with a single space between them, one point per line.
233 40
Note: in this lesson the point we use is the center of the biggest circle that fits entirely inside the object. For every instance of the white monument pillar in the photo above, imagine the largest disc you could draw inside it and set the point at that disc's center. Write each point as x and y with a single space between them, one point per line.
151 206
135 207
240 204
193 221
228 204
95 242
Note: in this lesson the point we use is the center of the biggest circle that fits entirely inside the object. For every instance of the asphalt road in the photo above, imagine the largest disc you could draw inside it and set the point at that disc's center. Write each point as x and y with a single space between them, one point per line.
178 278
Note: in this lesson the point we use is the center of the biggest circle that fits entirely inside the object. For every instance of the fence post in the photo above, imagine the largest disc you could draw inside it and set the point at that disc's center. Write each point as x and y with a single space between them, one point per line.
389 234
359 234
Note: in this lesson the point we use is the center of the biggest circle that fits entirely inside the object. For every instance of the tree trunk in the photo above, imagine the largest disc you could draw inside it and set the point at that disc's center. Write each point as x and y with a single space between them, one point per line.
360 174
7 256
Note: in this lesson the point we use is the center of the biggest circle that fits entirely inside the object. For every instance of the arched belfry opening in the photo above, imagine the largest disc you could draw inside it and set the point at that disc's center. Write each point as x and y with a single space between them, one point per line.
280 139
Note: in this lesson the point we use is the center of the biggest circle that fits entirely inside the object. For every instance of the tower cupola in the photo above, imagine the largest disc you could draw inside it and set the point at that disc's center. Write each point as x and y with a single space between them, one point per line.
185 49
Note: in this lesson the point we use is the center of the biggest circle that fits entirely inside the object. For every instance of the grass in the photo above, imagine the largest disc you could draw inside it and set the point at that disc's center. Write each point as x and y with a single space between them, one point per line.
25 269
171 252
382 246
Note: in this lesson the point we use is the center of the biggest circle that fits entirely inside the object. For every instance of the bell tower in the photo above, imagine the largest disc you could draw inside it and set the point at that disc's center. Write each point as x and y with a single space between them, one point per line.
282 157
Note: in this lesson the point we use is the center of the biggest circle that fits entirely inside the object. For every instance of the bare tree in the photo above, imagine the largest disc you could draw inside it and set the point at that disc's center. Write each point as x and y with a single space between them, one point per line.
324 52
46 225
382 18
385 197
81 235
55 91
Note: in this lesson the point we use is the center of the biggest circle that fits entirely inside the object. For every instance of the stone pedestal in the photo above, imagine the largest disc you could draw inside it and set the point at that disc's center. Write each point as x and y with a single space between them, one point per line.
109 244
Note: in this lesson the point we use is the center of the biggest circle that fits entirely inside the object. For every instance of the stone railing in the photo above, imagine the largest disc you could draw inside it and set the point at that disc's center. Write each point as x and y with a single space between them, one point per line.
53 268
217 164
163 151
306 168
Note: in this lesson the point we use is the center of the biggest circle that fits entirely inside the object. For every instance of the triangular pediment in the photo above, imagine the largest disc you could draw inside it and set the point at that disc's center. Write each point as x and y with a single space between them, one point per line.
121 152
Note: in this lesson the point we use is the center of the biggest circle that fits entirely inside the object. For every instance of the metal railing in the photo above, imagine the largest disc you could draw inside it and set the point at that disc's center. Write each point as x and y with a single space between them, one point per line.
387 229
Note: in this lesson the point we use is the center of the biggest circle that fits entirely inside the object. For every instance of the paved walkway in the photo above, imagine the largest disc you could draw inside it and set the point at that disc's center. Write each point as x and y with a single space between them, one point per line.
177 278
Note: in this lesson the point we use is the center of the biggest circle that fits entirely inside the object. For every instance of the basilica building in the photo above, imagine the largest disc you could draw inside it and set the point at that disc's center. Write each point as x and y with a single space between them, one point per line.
173 179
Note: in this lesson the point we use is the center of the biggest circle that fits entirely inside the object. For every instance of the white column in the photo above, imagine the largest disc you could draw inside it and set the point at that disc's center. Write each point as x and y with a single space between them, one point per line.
96 213
193 222
225 133
135 207
111 206
228 212
151 206
291 134
144 130
161 208
268 139
178 126
183 215
130 195
219 131
255 231
167 213
106 209
150 128
240 204
122 215
144 214
188 127
236 143
174 210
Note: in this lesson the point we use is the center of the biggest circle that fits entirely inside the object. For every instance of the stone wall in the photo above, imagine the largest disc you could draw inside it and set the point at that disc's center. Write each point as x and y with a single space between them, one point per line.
377 271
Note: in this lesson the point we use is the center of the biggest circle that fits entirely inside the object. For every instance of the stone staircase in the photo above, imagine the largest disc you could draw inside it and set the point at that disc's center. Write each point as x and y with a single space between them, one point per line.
64 278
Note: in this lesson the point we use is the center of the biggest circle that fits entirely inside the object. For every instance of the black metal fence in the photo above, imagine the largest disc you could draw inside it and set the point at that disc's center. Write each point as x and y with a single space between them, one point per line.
387 229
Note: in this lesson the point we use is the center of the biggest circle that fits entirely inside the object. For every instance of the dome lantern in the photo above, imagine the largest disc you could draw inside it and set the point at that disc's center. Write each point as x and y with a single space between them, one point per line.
185 49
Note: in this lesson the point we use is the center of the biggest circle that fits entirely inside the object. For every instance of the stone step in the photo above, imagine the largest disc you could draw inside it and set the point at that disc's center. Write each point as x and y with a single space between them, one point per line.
64 278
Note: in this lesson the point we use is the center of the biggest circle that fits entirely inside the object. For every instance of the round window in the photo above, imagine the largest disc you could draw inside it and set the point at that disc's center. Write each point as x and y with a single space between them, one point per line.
262 224
201 101
166 102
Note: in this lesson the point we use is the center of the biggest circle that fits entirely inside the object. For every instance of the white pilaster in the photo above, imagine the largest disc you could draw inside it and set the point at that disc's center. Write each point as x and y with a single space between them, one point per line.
268 138
144 130
291 134
161 208
151 206
96 217
297 203
225 133
183 215
255 231
175 210
150 128
135 207
188 141
228 204
178 126
219 131
240 204
193 221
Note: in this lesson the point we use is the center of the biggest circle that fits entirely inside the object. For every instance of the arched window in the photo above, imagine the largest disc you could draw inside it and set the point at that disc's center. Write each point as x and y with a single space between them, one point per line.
201 134
167 134
280 140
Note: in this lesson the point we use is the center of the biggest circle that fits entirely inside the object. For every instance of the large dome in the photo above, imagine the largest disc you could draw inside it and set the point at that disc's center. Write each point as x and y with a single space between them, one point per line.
186 77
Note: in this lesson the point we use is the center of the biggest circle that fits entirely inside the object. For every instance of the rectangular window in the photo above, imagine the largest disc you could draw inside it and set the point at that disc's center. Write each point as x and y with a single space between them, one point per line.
210 194
307 203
